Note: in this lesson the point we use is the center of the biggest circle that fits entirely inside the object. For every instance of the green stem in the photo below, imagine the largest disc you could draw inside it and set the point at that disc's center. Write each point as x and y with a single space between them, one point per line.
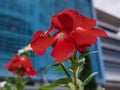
65 70
75 75
75 55
75 79
75 62
19 85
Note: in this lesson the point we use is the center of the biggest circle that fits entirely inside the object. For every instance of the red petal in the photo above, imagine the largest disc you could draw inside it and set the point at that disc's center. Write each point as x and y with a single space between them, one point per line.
16 56
26 62
83 38
76 17
97 32
62 50
37 34
31 72
87 23
83 48
17 64
50 30
56 23
39 52
66 22
40 45
80 20
63 22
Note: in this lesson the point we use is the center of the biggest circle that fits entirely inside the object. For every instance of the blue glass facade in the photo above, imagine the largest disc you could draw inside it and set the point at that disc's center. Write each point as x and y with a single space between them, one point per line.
19 19
15 28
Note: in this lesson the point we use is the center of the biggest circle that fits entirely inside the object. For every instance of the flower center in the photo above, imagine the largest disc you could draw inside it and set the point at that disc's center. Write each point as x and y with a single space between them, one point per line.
60 35
79 28
22 59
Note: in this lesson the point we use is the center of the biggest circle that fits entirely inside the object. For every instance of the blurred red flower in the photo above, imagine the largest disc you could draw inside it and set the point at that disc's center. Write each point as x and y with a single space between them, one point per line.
21 65
75 32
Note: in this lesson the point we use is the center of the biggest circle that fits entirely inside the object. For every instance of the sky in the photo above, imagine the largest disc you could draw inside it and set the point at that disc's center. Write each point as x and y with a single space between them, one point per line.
109 6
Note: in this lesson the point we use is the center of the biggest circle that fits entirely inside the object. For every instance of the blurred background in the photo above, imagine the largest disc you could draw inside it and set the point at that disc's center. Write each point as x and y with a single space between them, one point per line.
19 19
108 16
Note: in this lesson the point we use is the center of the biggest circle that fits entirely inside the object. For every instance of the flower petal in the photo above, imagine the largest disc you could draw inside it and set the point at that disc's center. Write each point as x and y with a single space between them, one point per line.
20 61
62 50
40 45
83 48
63 22
26 62
39 51
97 32
83 38
79 20
66 25
31 72
56 23
87 23
37 34
69 20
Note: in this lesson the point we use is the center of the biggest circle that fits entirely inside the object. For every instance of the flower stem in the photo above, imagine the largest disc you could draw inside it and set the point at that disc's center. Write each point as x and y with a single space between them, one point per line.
19 85
75 62
65 70
75 80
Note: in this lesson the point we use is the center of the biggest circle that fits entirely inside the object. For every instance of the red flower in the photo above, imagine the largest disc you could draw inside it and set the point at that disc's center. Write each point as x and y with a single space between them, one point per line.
75 32
21 65
80 28
41 42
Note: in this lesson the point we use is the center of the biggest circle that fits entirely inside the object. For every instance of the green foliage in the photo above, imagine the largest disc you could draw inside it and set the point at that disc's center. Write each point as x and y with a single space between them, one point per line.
71 86
51 65
15 83
80 84
79 66
87 53
87 71
56 84
89 78
59 69
25 80
25 54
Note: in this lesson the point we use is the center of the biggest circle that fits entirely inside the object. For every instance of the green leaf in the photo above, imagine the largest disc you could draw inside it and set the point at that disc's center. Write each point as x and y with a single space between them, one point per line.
86 54
63 81
25 80
66 70
103 88
8 87
80 66
19 86
59 69
56 84
71 86
10 80
81 61
49 87
89 78
70 69
25 54
80 84
49 66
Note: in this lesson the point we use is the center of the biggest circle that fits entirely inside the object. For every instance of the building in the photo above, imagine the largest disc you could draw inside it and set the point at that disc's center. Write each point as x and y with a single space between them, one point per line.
110 48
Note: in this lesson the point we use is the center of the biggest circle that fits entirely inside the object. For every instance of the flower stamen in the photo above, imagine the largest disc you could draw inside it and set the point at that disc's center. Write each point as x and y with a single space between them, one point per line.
60 35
